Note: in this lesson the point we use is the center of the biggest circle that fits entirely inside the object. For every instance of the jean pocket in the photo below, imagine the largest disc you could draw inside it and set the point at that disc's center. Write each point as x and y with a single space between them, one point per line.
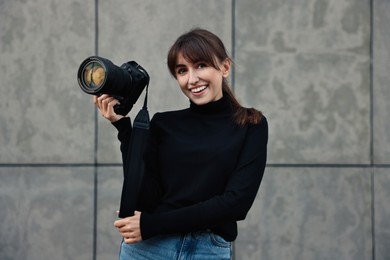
219 241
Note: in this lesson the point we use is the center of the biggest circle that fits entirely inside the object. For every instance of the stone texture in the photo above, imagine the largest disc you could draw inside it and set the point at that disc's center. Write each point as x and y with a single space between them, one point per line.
382 213
381 86
110 188
305 64
46 213
44 116
309 213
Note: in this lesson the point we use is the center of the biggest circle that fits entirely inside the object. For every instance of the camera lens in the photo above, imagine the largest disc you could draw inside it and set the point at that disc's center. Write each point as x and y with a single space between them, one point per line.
97 75
93 75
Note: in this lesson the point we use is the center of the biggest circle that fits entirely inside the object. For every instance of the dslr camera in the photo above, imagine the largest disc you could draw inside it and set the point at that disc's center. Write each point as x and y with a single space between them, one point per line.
97 76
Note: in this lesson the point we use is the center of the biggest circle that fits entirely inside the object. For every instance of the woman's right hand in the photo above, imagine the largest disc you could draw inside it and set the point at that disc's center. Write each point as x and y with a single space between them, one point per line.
105 104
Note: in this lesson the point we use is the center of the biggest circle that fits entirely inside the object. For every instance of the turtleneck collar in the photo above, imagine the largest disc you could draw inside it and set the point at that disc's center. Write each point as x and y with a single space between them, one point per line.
222 105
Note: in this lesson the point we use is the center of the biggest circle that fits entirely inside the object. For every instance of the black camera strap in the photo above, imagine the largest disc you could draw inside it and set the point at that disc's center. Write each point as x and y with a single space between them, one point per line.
133 166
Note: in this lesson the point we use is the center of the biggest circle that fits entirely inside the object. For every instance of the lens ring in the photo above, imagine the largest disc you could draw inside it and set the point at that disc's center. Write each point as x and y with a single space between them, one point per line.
93 75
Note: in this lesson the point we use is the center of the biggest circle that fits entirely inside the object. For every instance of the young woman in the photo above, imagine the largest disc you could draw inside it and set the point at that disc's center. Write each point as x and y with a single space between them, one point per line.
203 164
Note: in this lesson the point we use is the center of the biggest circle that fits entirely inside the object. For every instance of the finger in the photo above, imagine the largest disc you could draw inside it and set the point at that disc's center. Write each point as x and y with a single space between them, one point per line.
103 107
124 229
119 223
127 235
106 106
99 101
131 240
107 101
101 98
128 240
110 106
130 227
113 102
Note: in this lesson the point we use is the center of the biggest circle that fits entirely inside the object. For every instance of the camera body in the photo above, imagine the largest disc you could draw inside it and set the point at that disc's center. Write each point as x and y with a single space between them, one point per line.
97 76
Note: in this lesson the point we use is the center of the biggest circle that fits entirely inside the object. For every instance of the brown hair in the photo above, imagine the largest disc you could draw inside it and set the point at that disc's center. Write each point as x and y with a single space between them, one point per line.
202 45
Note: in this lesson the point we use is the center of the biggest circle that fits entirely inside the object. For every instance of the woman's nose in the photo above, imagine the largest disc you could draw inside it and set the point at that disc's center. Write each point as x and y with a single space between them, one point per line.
194 78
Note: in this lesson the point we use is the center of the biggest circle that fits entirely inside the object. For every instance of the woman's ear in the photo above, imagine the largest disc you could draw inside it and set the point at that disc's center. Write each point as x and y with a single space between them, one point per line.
225 68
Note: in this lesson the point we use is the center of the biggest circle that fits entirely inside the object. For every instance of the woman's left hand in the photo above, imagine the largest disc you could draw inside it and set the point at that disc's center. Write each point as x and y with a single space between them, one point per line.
130 228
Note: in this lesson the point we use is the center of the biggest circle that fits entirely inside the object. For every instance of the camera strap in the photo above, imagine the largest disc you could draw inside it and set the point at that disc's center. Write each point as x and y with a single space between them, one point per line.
133 166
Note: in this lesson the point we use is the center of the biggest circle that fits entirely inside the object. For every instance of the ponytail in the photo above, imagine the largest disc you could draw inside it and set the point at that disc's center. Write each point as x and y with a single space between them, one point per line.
242 115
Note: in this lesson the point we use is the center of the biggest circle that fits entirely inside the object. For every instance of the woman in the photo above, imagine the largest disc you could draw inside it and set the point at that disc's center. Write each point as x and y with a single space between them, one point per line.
203 164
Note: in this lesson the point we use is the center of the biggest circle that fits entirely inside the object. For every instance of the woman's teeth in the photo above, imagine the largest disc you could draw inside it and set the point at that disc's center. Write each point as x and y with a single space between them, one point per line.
197 90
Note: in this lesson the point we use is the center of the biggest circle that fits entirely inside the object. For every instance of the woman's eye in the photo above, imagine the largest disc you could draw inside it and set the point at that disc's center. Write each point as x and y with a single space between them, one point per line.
180 71
202 65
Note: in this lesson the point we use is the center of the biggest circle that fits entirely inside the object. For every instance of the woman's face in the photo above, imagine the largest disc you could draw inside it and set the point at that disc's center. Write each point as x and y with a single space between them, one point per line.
201 82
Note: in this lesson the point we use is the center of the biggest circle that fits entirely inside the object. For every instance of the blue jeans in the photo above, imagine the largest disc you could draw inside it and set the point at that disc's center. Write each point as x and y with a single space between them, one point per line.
192 246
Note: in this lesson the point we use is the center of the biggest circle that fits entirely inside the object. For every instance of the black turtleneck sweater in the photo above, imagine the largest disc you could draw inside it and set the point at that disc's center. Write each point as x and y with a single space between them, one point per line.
202 170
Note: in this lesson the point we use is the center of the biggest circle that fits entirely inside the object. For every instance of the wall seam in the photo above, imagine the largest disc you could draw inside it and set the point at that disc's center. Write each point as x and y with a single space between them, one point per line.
372 157
271 165
233 43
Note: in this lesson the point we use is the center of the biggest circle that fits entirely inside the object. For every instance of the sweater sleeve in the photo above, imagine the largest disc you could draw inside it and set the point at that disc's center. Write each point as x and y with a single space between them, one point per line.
232 205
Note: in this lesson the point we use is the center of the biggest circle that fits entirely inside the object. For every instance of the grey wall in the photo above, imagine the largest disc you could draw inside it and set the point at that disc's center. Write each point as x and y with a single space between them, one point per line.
318 69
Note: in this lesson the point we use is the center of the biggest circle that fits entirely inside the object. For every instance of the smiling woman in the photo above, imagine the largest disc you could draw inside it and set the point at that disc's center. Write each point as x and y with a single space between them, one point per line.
201 82
203 164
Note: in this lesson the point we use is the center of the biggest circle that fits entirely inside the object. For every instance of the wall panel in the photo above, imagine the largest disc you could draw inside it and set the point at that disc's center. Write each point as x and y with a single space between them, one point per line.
44 116
381 86
309 213
305 64
382 213
46 213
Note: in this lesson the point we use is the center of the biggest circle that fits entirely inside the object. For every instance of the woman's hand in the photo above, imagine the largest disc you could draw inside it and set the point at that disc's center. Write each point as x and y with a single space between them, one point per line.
130 228
105 104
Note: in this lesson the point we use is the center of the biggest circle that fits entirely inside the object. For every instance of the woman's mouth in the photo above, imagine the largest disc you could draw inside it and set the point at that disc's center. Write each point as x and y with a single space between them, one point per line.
198 90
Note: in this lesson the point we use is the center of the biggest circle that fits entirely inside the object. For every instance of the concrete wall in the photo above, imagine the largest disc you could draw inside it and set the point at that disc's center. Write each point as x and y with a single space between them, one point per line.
318 69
